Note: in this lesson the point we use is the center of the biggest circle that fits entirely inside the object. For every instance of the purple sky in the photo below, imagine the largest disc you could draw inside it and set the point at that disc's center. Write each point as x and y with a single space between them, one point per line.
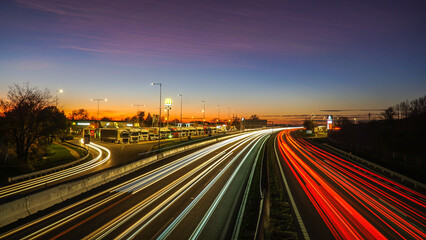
269 58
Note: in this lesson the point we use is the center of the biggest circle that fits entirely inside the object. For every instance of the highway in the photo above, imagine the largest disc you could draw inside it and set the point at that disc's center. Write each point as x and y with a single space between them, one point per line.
338 198
192 196
105 154
102 156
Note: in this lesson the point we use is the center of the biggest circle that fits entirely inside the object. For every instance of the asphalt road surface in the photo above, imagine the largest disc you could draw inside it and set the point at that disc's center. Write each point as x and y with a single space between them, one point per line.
105 155
196 195
338 198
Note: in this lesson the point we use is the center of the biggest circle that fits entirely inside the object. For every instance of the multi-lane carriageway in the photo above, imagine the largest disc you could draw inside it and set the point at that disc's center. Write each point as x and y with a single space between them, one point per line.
195 197
337 198
191 197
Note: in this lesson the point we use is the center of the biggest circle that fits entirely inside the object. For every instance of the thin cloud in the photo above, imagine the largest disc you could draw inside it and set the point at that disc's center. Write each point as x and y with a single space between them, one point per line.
213 30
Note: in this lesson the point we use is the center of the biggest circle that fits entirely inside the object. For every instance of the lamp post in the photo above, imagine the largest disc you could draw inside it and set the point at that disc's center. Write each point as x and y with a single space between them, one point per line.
159 117
58 91
218 114
98 99
181 97
204 111
137 105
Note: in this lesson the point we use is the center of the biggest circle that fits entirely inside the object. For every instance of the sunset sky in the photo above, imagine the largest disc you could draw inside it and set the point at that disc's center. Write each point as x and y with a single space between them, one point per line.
275 59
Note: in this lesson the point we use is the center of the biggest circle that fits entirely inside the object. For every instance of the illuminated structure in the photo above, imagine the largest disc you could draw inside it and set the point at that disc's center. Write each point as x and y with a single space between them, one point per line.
329 122
168 104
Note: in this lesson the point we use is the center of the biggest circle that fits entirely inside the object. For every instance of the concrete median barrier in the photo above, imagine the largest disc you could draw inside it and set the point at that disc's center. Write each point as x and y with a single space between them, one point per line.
12 211
25 206
72 189
95 181
42 200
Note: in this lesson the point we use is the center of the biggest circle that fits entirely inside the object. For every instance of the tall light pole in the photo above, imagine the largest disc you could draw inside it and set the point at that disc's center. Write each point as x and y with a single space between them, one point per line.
98 99
137 105
181 97
159 117
58 91
218 114
204 111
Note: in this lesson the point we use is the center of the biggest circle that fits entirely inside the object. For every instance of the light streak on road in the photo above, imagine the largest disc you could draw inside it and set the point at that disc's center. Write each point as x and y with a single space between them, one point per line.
354 202
30 184
129 223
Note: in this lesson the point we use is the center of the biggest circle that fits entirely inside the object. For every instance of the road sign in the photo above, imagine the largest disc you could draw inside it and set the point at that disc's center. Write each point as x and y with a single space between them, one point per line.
168 102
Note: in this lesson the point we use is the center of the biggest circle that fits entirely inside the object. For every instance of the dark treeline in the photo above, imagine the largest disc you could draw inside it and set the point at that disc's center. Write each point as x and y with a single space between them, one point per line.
406 109
29 122
397 142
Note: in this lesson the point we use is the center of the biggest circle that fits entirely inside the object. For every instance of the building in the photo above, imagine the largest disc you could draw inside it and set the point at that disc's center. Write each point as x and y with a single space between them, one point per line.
254 123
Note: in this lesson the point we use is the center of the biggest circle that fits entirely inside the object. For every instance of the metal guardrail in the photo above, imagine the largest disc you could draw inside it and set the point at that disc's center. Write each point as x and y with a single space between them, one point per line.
242 210
383 169
52 169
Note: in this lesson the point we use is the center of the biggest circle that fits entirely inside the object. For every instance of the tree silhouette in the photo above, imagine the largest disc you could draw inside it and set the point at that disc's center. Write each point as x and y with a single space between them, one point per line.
140 117
389 113
309 124
29 117
148 120
79 114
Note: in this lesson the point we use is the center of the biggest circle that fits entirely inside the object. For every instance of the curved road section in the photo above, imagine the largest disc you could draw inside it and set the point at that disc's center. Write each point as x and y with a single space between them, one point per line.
340 199
52 178
195 196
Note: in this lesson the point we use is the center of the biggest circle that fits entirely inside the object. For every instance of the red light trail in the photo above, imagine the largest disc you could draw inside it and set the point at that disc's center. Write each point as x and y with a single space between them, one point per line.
354 202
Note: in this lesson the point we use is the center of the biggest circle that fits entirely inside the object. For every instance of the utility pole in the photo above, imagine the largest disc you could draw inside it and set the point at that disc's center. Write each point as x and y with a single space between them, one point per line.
218 115
98 99
137 105
58 91
204 111
180 134
159 120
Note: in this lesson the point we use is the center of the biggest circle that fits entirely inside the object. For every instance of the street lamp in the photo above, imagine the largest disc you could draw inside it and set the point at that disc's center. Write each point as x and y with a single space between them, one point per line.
58 91
98 99
159 117
204 111
218 114
138 105
181 97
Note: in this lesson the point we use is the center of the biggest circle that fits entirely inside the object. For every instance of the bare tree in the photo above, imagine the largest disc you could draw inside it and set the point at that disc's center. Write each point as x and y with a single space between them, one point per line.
389 113
79 114
254 117
309 124
29 116
405 109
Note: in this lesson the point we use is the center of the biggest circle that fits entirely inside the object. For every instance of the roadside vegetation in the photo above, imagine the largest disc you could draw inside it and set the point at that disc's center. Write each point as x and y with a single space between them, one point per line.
396 142
30 125
55 155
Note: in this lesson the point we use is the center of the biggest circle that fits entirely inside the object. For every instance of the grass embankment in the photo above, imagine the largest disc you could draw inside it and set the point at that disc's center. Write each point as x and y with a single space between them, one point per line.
80 151
54 155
